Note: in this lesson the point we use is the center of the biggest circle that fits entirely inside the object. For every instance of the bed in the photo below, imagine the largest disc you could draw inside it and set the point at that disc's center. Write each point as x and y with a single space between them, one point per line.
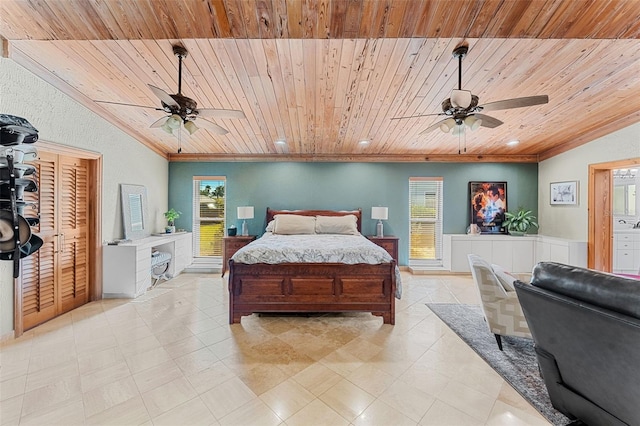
279 282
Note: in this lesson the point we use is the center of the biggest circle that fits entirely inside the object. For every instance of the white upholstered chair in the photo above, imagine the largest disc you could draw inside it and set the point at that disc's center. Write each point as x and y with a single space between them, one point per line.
500 304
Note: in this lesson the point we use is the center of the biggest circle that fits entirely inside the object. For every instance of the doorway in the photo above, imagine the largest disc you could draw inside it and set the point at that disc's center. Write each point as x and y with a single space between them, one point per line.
66 272
600 206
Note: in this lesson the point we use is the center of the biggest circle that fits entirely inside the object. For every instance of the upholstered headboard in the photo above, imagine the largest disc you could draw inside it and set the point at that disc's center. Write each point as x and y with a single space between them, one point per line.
357 213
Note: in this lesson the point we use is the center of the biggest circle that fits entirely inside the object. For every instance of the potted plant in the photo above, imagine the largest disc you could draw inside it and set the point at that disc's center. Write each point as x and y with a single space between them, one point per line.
171 216
520 222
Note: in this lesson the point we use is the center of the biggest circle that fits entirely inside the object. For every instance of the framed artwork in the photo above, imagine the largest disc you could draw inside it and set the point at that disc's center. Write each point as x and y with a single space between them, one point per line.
487 204
564 193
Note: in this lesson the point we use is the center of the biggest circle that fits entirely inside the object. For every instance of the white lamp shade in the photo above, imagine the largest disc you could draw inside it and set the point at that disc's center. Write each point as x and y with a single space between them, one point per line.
245 212
447 125
461 98
472 122
166 127
380 213
190 126
174 121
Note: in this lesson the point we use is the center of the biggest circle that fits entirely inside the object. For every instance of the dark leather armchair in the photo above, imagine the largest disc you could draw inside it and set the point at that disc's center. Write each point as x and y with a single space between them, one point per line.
586 328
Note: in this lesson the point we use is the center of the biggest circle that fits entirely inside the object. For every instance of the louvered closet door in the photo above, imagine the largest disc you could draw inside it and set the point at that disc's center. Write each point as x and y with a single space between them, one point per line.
72 230
54 279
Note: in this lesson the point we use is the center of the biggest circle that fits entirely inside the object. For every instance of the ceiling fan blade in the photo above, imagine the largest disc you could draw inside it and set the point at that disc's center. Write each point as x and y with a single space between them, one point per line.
220 113
212 127
515 103
159 122
488 121
432 127
417 116
133 105
163 96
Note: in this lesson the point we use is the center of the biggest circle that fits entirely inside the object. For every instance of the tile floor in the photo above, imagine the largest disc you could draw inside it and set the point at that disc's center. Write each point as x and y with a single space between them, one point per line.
170 358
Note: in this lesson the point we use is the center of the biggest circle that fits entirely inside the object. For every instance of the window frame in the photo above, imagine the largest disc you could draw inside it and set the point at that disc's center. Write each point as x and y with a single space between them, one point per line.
197 219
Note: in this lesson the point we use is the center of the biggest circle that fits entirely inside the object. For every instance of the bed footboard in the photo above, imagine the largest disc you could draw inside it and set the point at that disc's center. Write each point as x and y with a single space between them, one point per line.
312 287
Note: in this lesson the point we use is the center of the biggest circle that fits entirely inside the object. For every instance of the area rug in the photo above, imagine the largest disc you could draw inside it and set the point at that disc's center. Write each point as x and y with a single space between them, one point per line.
517 364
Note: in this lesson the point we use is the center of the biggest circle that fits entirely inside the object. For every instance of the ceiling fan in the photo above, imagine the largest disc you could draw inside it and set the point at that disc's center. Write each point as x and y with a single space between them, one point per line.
181 109
462 109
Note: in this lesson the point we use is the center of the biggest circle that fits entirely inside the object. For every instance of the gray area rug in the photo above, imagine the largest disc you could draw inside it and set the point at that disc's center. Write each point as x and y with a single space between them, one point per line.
517 364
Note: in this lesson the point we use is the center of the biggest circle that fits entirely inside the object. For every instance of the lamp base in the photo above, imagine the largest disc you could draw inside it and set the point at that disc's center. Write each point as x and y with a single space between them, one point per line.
379 230
245 229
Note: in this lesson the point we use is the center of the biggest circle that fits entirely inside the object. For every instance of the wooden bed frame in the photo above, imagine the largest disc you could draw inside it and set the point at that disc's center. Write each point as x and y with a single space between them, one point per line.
312 287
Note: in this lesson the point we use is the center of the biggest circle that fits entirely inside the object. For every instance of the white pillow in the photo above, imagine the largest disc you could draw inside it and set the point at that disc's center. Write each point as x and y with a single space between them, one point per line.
347 224
292 224
270 226
505 278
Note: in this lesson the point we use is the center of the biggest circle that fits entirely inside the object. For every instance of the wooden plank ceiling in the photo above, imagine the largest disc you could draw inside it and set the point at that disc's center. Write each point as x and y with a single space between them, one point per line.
324 75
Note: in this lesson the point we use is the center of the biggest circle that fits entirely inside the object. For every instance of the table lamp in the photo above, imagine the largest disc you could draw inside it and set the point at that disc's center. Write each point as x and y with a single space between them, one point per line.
380 213
245 212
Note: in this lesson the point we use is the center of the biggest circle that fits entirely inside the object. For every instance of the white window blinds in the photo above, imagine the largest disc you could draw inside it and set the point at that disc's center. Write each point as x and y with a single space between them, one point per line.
425 222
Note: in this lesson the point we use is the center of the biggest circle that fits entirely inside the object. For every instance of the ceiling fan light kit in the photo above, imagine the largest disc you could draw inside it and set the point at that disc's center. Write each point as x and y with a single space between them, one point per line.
463 110
182 109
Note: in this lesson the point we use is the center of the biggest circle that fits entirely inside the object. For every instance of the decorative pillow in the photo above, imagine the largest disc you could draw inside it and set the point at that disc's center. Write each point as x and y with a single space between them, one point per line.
292 224
505 278
347 225
270 226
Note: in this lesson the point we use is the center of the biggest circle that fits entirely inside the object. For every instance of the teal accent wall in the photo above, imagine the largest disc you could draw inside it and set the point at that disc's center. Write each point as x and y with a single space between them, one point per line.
337 186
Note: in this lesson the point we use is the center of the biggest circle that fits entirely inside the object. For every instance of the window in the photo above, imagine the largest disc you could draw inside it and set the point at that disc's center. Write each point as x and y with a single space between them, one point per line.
208 215
425 222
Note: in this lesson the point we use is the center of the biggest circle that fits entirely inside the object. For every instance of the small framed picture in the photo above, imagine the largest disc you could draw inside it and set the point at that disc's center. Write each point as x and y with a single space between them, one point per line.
564 193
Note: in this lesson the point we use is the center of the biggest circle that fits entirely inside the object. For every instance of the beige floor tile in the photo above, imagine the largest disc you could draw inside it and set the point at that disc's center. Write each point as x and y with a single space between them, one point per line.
168 396
107 396
211 377
381 414
196 361
89 362
10 410
347 399
133 357
129 412
183 347
317 378
13 387
410 401
287 398
53 394
145 360
317 413
442 414
253 413
371 379
506 415
227 397
467 400
70 413
157 376
104 376
193 413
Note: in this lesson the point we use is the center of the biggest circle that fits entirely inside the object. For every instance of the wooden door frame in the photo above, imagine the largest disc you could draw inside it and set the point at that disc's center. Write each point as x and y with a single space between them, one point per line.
94 221
600 206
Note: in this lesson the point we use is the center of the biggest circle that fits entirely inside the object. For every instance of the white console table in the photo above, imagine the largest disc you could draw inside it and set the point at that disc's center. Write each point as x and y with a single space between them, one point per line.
127 266
516 254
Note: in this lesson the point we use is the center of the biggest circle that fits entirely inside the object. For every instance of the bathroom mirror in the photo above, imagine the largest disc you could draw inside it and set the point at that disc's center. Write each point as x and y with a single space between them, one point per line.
134 211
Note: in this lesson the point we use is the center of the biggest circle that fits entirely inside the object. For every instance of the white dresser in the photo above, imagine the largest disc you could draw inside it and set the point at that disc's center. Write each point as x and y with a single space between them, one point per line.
127 266
626 251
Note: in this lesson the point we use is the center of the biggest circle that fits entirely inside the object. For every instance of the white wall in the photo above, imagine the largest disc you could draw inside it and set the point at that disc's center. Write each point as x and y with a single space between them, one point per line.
571 222
61 120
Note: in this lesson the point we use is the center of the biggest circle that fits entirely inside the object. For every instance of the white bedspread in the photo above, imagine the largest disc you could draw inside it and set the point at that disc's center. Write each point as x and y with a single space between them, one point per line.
315 248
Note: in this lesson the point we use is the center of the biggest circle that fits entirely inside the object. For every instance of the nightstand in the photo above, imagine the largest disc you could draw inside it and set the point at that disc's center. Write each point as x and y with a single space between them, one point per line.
388 242
231 246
